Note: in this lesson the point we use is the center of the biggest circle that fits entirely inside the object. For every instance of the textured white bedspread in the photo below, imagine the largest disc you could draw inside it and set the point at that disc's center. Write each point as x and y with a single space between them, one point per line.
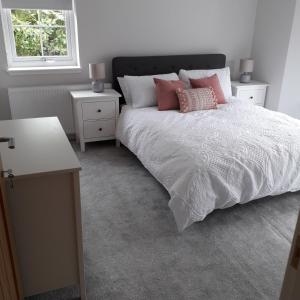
214 159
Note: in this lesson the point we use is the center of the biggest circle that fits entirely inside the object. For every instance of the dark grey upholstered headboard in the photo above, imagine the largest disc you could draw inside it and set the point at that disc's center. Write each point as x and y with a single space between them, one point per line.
150 65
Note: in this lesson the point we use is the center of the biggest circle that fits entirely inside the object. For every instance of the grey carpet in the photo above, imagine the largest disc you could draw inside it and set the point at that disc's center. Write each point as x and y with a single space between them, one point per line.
133 250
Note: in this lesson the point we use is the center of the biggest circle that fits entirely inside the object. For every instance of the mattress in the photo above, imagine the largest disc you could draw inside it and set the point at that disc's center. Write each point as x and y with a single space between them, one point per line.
214 159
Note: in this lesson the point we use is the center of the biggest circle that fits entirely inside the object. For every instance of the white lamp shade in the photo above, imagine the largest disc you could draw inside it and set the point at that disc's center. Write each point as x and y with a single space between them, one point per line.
247 65
97 71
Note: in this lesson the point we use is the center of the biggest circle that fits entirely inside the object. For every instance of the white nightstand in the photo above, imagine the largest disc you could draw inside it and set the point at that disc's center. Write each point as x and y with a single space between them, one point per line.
254 91
95 115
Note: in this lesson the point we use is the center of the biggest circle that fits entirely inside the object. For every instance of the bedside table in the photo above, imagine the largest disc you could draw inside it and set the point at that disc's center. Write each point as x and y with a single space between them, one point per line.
254 91
95 116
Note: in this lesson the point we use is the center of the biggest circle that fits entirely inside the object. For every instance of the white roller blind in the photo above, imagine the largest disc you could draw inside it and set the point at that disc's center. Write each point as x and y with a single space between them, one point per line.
38 4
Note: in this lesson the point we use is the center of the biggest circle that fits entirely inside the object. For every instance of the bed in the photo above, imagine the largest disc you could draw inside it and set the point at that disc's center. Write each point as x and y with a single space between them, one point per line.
212 159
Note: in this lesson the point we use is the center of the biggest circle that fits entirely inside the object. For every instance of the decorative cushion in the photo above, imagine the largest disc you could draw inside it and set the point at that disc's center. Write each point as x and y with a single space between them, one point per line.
223 75
166 93
196 99
213 82
142 88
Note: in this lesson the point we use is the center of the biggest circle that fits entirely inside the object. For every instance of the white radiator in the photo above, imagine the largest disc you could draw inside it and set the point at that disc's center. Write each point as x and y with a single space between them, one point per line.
44 101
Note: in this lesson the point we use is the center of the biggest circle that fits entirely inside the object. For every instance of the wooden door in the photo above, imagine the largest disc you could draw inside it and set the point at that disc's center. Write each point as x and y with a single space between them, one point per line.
291 283
9 276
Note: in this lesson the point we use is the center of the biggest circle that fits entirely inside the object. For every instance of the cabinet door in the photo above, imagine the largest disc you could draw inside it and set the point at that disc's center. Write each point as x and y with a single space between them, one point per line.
256 96
98 129
9 276
291 284
98 110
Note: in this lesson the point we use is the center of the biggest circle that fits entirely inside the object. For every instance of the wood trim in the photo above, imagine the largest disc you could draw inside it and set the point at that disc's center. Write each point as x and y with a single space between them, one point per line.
10 281
76 188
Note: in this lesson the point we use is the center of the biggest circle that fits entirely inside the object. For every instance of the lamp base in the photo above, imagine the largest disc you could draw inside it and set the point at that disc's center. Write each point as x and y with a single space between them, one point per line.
98 86
245 78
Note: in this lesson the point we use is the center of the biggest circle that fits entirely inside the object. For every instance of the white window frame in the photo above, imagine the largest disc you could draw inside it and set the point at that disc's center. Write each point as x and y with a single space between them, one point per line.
40 62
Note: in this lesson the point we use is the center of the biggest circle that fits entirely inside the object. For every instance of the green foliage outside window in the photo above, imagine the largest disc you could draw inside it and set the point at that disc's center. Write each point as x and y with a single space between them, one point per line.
39 32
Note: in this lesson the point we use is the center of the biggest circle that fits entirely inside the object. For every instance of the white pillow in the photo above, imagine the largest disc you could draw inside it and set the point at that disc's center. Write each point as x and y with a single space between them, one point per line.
142 88
125 90
223 75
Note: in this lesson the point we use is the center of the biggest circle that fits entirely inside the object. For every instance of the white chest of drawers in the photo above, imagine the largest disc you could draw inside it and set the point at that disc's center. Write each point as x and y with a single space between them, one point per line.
254 91
44 205
95 115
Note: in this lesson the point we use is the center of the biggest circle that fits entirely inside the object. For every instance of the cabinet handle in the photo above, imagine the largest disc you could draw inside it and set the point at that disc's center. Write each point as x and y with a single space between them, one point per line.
99 110
10 176
100 129
251 97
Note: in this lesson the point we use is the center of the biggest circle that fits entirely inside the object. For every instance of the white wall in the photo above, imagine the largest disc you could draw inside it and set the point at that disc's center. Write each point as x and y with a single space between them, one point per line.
109 28
272 35
290 98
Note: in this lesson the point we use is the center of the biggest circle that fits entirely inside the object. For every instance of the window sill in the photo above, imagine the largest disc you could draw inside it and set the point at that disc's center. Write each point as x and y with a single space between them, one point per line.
44 70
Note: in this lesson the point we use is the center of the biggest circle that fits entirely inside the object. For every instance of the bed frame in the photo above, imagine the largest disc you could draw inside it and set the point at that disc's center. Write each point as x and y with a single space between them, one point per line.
149 65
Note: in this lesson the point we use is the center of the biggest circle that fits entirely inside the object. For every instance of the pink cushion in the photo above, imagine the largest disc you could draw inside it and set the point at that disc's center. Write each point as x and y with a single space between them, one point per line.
196 99
213 82
166 93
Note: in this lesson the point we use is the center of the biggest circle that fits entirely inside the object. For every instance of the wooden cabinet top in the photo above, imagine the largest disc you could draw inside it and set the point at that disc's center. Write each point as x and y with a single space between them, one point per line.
251 85
41 146
87 95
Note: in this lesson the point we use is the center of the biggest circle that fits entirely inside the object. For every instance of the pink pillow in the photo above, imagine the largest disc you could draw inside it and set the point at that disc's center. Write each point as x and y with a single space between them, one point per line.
196 99
166 93
213 82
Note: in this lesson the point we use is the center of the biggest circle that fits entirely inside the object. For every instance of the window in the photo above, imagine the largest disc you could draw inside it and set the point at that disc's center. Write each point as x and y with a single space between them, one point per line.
39 37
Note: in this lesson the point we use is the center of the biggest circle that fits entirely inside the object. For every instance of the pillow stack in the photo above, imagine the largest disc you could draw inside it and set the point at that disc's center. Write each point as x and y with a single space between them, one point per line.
140 90
223 76
205 89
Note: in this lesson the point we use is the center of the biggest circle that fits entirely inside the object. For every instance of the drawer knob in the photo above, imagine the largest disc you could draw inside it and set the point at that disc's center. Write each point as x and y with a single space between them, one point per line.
100 129
251 97
99 110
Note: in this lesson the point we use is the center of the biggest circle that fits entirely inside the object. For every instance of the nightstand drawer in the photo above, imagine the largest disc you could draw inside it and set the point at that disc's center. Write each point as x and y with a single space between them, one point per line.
256 96
100 128
98 110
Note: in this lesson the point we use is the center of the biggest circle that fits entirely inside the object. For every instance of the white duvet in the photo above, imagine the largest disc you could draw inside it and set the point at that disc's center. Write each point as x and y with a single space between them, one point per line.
214 159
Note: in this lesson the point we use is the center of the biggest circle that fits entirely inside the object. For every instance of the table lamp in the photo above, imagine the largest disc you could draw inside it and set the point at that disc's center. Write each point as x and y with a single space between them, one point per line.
97 74
246 69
